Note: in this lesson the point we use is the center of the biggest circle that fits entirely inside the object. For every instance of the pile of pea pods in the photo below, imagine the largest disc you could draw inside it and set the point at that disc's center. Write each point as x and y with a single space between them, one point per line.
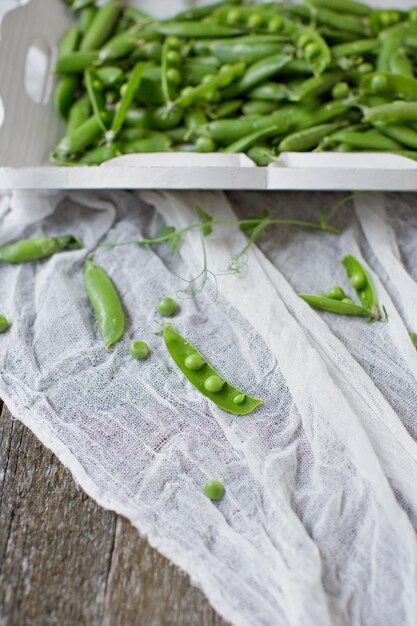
259 78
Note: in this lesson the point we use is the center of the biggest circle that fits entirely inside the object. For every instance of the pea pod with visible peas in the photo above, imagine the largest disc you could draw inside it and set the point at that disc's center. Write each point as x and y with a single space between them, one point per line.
211 83
205 378
393 85
362 285
331 305
39 248
258 73
106 303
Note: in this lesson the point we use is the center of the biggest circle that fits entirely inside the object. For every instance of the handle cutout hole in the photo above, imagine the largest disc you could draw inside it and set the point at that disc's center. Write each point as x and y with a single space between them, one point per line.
38 75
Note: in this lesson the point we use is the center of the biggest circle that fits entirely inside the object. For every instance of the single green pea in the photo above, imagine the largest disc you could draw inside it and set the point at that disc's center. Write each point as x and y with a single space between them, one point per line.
213 383
254 21
206 79
239 398
233 16
174 42
348 301
275 24
174 76
167 307
365 68
358 281
194 362
379 82
340 90
173 57
138 350
4 324
214 490
336 293
303 40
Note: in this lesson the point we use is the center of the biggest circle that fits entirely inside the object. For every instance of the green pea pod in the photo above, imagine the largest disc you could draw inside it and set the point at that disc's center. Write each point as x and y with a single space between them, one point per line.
79 5
69 42
393 85
195 30
81 138
315 86
195 70
244 52
87 16
359 47
413 337
78 114
262 155
243 144
75 62
308 138
400 63
138 118
368 140
148 144
166 117
273 92
40 248
390 41
101 27
258 73
130 91
323 303
402 134
344 6
110 75
349 23
171 77
397 111
224 77
96 96
119 46
259 107
105 302
225 109
228 397
198 13
99 155
362 285
64 94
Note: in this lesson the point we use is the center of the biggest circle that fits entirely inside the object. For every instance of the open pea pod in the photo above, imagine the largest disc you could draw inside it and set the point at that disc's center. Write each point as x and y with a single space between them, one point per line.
131 88
324 303
362 285
200 374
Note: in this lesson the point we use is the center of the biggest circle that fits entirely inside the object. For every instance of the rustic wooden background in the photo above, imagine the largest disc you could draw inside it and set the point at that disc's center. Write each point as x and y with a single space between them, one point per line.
65 561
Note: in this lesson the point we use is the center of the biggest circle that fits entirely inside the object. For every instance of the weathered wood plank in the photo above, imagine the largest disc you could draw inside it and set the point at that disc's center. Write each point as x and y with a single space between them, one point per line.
66 561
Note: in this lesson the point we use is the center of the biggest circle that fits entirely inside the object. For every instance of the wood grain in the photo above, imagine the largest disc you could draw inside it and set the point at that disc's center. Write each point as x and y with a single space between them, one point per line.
65 561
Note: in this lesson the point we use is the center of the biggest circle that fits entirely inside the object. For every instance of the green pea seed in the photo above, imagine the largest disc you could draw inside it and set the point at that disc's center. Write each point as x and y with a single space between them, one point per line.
358 281
194 362
365 68
174 42
173 57
303 40
174 76
340 91
233 16
138 350
239 398
214 490
213 383
336 293
167 307
379 82
4 324
275 24
254 21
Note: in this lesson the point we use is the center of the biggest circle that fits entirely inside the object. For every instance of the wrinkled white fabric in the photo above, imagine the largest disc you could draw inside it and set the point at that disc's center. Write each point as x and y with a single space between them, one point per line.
319 518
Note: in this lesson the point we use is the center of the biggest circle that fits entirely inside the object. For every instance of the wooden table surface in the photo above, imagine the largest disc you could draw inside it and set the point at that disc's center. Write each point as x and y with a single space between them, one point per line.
65 561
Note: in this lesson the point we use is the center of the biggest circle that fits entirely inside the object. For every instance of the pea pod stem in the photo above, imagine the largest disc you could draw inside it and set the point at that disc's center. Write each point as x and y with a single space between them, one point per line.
248 222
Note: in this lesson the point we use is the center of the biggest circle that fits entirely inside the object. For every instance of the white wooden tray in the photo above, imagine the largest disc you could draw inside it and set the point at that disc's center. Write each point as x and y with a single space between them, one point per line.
30 129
